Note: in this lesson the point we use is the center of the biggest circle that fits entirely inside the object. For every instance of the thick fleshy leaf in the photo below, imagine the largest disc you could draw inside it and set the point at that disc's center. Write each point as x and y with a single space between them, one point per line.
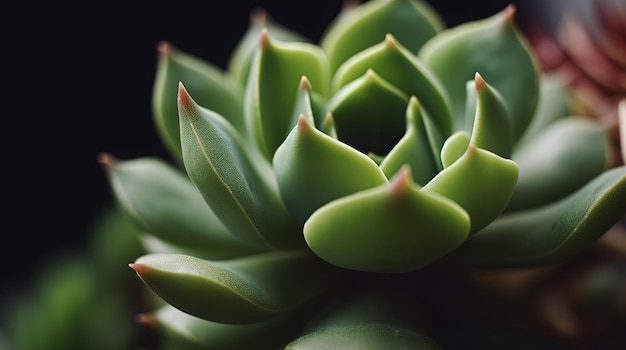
369 114
395 64
239 62
496 49
163 201
213 89
478 175
236 183
180 330
549 233
309 104
379 316
454 147
313 169
492 126
554 103
412 22
413 148
272 87
563 157
238 291
390 228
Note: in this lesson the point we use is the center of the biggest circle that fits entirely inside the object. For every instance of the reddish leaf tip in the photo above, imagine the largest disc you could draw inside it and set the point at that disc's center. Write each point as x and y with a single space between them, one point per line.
479 82
401 182
305 84
509 13
165 48
139 268
106 160
265 38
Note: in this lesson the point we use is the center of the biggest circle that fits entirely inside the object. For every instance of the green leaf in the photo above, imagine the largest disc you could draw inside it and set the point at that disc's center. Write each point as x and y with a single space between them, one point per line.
272 88
412 22
413 148
454 147
549 233
237 291
369 113
237 184
215 91
476 176
390 228
313 169
180 330
309 104
492 125
563 157
554 103
163 201
396 65
375 318
238 65
496 49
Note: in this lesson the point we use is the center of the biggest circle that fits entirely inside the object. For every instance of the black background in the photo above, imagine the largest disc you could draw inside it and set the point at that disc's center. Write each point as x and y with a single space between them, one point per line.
77 80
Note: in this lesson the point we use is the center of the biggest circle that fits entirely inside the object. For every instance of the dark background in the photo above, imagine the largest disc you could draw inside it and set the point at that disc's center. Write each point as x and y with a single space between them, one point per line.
77 80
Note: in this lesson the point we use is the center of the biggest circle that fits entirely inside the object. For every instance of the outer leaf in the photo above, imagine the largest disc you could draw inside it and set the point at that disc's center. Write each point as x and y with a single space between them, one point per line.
369 114
554 103
373 319
243 195
272 88
494 48
397 65
390 228
412 22
550 233
238 291
239 62
214 90
163 201
412 149
562 158
313 169
180 330
476 176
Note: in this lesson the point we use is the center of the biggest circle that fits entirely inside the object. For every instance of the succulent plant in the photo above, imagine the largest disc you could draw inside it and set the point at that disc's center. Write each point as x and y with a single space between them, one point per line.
318 192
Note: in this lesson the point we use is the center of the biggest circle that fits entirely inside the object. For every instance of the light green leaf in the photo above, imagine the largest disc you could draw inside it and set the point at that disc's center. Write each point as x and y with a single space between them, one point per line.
236 183
390 228
549 233
412 22
492 125
238 65
480 181
554 103
313 169
238 291
369 114
561 158
496 49
413 148
215 91
180 330
272 88
375 318
161 199
454 147
396 65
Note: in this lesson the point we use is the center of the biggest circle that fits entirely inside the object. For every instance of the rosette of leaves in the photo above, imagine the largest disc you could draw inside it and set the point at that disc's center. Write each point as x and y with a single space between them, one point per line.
313 185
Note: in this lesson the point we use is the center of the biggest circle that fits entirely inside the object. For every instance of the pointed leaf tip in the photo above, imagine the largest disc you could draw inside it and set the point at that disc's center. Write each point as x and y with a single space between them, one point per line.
390 41
509 13
479 82
401 182
165 48
264 39
106 160
305 84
